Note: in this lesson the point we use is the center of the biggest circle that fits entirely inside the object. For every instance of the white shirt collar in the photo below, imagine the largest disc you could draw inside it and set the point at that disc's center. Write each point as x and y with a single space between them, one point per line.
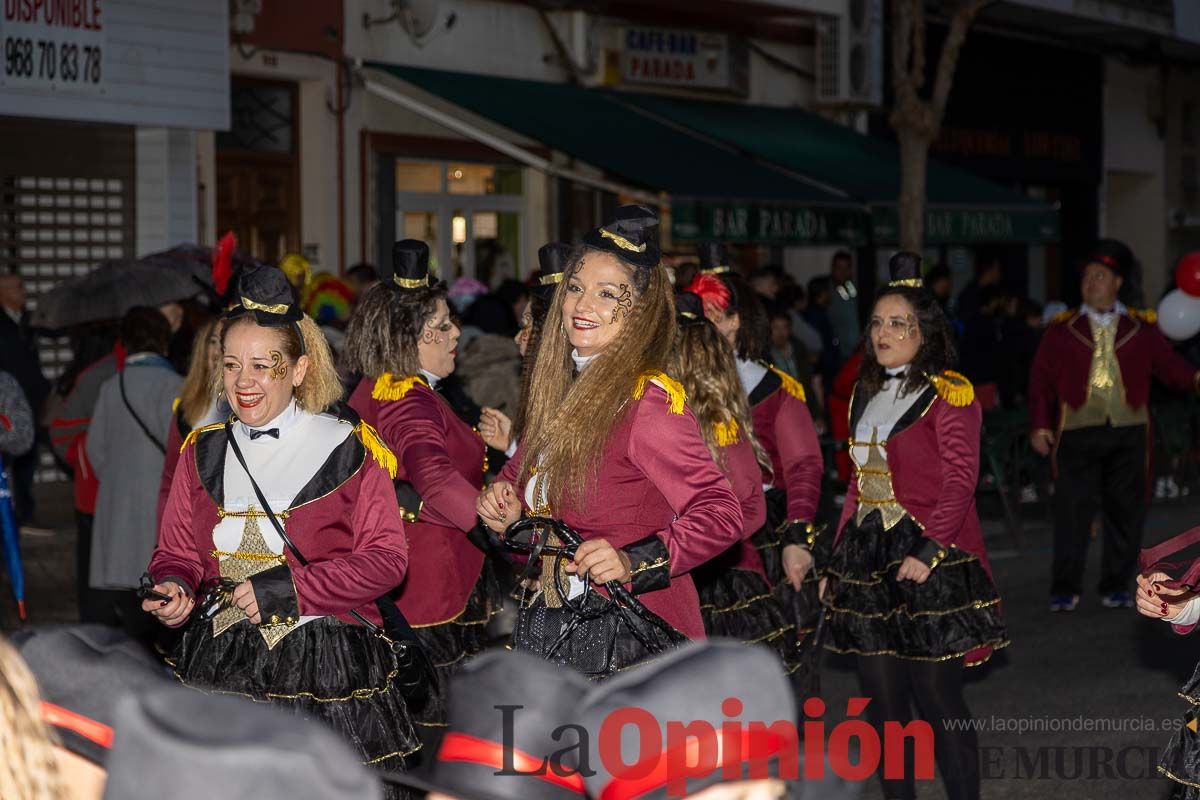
14 315
750 373
580 361
431 378
1104 317
284 421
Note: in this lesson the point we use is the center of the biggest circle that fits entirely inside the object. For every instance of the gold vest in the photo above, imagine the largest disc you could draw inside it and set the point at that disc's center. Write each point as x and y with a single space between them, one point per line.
1105 401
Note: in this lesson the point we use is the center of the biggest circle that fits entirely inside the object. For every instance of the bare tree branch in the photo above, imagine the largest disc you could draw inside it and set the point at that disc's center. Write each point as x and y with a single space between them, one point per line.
960 23
918 43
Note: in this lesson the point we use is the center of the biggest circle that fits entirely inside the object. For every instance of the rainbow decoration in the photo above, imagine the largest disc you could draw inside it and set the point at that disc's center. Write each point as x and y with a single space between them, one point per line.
328 300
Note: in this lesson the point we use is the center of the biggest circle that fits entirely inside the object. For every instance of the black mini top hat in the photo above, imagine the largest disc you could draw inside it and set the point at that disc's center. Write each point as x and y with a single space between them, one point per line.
905 270
713 258
410 266
714 682
506 712
1113 254
82 670
552 258
265 292
186 745
632 236
689 309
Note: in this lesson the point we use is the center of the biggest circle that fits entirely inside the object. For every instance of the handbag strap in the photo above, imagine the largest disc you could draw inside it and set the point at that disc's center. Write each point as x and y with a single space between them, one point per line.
383 603
153 439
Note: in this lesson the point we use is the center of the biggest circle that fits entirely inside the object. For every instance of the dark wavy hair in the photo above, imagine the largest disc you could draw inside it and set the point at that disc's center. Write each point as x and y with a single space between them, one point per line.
754 327
937 351
383 332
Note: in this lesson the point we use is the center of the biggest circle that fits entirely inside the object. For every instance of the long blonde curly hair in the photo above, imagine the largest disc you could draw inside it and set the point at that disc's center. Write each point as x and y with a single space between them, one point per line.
196 395
321 387
29 769
704 363
569 419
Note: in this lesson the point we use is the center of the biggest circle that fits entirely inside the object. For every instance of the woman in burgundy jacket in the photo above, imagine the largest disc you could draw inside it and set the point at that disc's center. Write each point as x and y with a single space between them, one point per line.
610 446
283 631
403 340
908 588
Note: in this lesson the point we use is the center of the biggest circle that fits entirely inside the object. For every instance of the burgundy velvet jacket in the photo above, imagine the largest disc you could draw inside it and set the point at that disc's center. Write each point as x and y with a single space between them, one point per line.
785 429
345 521
657 479
442 458
745 476
176 433
1061 369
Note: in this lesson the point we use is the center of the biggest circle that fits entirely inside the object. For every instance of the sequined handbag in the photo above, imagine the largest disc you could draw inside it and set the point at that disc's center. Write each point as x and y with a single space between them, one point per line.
584 631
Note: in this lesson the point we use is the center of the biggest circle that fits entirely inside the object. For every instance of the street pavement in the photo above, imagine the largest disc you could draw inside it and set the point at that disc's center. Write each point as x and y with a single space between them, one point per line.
1077 708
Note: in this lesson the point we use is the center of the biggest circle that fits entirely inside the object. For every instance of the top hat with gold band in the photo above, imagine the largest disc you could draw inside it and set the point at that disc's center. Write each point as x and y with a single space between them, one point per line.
631 237
905 270
266 293
1113 254
689 309
713 258
552 258
410 266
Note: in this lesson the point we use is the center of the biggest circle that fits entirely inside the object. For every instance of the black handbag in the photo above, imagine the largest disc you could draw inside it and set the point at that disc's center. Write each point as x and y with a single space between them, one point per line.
415 676
595 635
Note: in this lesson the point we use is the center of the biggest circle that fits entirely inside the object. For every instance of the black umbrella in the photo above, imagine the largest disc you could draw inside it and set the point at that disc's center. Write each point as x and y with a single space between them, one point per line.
110 290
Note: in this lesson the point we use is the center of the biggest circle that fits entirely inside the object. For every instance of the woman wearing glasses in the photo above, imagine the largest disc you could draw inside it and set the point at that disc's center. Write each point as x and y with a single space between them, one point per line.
908 587
609 445
270 615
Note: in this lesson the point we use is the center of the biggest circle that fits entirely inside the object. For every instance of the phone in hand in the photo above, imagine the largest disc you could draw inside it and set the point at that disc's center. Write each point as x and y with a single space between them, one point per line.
146 591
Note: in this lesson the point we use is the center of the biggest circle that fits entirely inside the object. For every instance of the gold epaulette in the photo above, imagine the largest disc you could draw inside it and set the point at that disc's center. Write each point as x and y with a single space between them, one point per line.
175 404
1064 316
1147 315
954 388
375 446
676 396
191 437
726 433
790 384
388 388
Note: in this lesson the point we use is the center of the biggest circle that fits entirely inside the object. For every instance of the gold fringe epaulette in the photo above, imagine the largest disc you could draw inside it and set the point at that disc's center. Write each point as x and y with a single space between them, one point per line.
726 433
191 437
1147 315
1064 316
790 384
375 446
676 396
388 388
954 388
175 404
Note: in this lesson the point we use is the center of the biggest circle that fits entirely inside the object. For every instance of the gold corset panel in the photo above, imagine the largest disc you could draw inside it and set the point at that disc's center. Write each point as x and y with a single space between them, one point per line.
252 556
875 484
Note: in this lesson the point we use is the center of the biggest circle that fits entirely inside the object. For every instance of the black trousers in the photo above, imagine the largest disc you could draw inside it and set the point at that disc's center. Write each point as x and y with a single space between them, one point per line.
1099 469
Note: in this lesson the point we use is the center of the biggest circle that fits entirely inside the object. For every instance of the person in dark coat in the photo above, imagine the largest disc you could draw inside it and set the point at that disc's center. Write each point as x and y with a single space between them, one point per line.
19 358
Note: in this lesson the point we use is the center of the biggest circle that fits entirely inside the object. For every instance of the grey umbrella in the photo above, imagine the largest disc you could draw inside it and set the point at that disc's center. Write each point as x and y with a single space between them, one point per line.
109 291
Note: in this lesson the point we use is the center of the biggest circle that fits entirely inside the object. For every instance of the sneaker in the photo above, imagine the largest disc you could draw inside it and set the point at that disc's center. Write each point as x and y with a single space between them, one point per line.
1117 600
1064 602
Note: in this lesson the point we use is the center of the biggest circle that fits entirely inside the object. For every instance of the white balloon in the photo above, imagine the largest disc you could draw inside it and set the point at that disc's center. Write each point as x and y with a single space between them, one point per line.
1179 315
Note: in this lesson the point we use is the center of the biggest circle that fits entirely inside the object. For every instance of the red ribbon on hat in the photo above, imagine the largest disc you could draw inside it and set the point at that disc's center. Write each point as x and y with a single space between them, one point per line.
90 729
472 750
1108 261
755 745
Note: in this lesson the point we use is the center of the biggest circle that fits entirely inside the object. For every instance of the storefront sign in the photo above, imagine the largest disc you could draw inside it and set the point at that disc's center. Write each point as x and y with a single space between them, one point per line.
119 61
965 226
699 220
693 59
55 45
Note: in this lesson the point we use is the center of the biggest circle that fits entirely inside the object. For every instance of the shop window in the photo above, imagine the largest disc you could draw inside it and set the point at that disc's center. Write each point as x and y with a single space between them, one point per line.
418 176
482 179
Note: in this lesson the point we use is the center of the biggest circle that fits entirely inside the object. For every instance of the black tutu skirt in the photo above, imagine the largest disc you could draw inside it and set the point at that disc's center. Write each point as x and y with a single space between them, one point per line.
1181 759
451 644
869 612
325 670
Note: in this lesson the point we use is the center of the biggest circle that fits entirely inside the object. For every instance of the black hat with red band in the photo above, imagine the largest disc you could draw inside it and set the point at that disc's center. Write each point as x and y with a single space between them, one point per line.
505 725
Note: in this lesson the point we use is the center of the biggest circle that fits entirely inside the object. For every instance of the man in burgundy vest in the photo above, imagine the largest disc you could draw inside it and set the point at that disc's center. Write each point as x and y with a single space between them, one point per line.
1088 393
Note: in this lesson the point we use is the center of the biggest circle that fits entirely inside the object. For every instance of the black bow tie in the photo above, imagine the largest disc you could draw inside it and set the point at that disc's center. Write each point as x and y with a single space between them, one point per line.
272 432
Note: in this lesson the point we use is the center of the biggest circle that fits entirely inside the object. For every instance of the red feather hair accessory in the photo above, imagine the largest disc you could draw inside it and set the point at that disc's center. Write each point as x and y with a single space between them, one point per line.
222 266
711 289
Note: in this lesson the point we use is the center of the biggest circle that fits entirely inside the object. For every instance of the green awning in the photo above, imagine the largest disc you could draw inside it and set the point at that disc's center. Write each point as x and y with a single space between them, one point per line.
715 191
962 208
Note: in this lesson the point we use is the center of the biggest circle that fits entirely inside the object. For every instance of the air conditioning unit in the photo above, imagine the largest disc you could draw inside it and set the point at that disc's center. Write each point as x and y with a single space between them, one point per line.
849 56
